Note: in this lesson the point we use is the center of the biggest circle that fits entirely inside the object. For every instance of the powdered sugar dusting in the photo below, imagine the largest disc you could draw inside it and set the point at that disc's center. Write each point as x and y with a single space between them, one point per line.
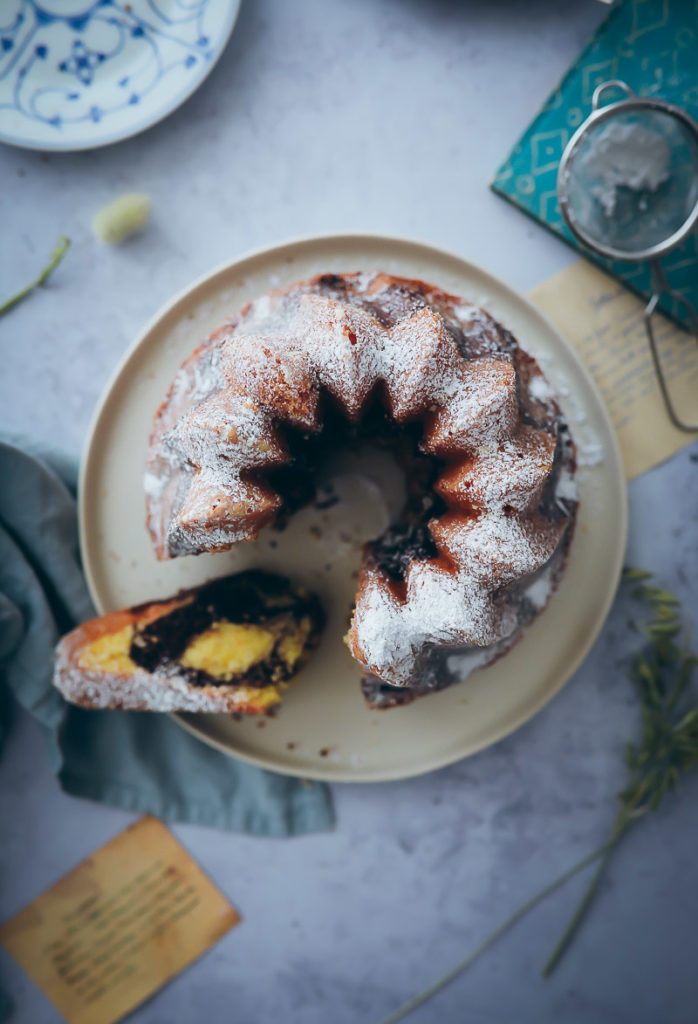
511 473
539 592
141 690
540 389
591 452
464 663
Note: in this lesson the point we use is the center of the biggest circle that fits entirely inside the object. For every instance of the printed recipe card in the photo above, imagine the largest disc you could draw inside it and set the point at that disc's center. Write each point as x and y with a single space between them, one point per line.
120 925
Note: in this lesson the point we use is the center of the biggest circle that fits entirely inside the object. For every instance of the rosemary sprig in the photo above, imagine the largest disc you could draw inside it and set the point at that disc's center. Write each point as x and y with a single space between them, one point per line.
668 746
57 255
666 751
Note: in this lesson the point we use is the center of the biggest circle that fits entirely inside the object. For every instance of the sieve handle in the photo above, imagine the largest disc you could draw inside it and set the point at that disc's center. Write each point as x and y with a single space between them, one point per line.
613 83
661 285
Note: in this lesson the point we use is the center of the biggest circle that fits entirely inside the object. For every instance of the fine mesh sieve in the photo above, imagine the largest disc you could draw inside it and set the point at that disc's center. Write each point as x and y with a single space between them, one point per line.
628 190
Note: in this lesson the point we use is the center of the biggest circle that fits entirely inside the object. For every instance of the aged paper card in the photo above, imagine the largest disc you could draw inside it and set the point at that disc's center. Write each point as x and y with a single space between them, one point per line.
604 323
117 927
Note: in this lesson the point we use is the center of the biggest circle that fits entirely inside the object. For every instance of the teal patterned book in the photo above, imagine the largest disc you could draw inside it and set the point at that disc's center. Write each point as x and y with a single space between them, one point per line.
653 46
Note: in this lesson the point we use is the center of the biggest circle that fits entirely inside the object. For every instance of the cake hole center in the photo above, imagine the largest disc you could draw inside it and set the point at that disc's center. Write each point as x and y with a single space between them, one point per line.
359 492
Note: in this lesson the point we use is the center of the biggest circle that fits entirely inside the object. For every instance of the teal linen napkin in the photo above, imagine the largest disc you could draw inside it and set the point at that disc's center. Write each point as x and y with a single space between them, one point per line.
134 760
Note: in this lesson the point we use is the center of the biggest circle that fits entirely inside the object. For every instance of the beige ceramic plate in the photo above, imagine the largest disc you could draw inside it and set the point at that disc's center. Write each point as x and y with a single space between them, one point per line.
323 729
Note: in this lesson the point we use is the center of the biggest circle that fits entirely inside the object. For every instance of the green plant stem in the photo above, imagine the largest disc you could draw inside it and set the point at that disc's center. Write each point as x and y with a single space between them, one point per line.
625 819
57 255
579 913
577 918
412 1004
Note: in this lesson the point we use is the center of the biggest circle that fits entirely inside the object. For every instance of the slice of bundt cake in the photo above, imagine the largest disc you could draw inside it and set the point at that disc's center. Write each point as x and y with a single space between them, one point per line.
488 457
228 645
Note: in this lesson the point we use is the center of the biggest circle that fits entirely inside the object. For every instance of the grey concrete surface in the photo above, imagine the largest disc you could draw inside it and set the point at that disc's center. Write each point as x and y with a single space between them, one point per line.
334 115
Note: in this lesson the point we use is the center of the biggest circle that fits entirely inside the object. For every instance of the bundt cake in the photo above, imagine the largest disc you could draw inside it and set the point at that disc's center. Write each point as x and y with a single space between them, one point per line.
488 458
230 645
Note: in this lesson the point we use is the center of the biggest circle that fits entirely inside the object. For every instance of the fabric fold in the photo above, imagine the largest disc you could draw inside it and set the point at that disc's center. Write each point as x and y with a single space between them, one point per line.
134 760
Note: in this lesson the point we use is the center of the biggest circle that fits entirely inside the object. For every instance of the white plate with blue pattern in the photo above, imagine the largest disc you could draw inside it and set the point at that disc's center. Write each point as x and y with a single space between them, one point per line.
77 74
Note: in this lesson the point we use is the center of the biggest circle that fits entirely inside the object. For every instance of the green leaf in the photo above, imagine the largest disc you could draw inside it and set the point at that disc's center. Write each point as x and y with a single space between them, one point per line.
630 574
659 596
635 576
688 720
663 630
